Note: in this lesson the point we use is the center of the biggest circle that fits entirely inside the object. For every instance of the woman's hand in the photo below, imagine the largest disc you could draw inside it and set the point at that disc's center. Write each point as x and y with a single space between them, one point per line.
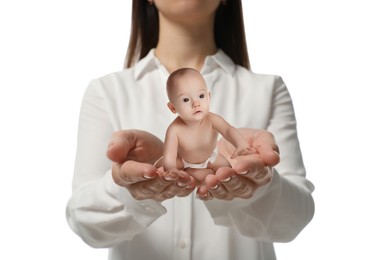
133 153
248 172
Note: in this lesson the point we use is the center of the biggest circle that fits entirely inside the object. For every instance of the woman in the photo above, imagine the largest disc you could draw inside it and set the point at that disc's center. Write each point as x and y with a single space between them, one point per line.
140 213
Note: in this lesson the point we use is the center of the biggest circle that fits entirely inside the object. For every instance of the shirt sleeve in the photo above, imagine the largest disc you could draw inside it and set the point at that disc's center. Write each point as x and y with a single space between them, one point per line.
278 211
102 213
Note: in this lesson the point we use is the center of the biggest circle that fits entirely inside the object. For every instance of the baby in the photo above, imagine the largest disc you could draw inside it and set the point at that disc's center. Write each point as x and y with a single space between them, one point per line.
191 138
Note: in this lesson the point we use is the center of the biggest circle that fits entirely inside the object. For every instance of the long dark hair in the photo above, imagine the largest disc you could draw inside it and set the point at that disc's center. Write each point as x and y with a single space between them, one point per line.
228 31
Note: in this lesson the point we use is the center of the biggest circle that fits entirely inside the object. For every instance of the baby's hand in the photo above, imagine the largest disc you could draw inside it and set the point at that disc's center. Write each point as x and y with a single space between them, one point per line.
243 150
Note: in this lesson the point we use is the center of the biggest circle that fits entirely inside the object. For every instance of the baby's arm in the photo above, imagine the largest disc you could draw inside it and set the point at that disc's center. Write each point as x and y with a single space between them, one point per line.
231 134
170 149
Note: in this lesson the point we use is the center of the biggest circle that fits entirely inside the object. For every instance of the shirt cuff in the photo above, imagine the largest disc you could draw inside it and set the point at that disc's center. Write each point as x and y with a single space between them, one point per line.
146 211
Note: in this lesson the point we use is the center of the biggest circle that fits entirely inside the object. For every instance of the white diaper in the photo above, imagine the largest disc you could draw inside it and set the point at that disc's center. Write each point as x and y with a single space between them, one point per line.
202 165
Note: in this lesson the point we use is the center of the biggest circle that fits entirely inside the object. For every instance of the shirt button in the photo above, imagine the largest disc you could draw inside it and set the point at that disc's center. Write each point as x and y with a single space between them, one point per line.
182 243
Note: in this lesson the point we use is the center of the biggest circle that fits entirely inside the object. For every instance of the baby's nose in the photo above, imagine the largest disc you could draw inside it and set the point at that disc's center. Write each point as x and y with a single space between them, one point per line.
196 104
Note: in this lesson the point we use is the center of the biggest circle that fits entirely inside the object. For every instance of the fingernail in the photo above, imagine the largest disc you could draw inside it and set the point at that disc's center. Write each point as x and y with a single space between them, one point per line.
214 187
169 178
148 177
181 184
203 195
243 172
227 179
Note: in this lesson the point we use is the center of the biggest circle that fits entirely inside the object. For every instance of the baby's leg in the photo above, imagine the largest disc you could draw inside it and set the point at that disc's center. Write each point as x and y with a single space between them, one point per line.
179 162
200 174
220 161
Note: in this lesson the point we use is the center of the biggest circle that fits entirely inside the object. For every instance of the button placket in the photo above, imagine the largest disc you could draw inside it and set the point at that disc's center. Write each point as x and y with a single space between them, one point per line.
182 222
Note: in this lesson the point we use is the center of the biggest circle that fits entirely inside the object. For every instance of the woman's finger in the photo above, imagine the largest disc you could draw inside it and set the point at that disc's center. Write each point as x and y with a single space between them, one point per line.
269 153
255 170
182 187
120 144
132 172
134 145
264 143
217 189
249 163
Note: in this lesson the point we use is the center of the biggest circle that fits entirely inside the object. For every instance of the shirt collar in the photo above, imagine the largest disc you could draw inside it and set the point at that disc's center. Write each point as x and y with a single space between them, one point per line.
146 64
219 59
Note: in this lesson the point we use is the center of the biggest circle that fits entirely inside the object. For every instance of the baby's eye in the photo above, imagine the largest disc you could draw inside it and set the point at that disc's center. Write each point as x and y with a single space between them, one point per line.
201 95
186 100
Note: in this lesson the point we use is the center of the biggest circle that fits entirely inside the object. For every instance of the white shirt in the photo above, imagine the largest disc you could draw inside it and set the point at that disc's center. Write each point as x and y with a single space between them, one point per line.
104 214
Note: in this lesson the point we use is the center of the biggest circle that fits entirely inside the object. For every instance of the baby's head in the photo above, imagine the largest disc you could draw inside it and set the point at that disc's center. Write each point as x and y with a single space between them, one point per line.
187 92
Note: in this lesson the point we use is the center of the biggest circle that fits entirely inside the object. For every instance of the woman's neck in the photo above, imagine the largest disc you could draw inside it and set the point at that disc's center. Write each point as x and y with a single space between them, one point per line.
182 45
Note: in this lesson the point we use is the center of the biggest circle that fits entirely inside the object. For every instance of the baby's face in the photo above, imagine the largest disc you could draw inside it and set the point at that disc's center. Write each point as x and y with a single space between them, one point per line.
190 98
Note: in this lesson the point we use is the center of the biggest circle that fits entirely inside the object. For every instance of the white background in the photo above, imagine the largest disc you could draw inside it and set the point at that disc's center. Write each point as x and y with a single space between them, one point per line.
327 52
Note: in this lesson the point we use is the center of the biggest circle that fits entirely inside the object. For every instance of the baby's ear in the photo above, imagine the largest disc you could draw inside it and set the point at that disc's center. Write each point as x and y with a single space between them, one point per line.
171 107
